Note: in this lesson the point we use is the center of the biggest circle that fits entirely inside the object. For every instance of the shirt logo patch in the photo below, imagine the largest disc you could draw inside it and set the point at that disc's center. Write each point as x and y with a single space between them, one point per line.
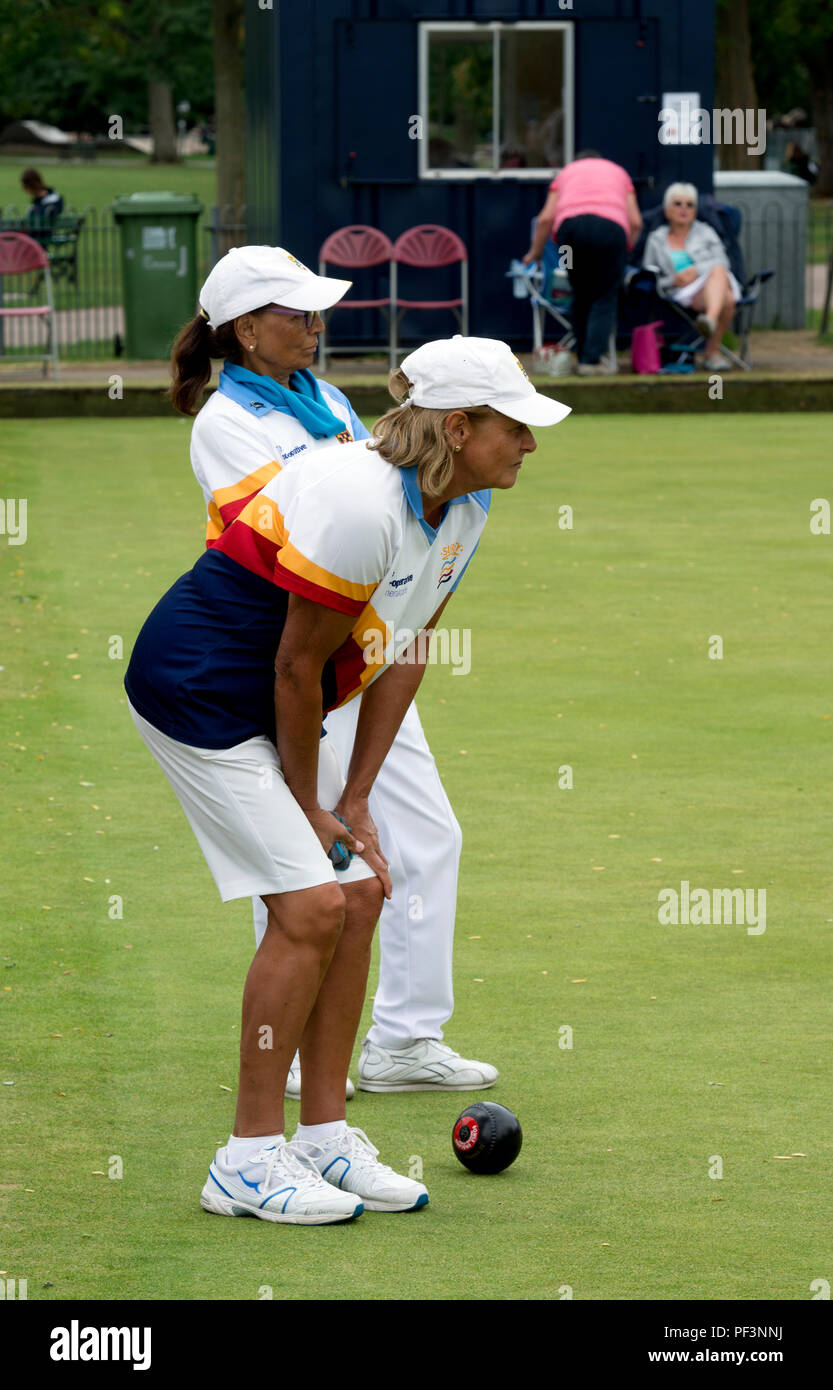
344 438
396 587
451 554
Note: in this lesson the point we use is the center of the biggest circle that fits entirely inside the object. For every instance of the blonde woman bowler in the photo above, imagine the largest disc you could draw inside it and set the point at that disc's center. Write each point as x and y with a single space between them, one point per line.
261 312
309 598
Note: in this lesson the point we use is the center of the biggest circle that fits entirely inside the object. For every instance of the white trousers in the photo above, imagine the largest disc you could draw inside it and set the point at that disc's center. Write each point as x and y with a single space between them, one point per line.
421 840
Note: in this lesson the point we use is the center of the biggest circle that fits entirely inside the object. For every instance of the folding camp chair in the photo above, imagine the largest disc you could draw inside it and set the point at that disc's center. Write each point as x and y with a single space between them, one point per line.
649 304
547 286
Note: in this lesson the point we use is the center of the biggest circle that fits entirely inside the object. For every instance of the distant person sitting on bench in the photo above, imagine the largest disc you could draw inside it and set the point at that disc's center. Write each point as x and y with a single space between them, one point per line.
46 204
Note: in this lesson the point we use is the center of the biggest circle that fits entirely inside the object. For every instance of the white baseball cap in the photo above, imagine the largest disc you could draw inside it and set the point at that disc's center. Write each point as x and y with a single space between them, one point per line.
250 277
453 373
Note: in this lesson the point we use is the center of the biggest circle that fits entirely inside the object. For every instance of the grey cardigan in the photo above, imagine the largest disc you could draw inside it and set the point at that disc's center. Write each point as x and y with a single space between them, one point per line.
702 244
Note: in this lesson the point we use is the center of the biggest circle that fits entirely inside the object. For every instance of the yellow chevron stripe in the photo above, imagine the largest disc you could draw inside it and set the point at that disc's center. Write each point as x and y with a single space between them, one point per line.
292 559
253 483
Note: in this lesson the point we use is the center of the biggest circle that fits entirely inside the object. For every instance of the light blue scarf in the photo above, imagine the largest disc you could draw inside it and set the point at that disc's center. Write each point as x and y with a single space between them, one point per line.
305 402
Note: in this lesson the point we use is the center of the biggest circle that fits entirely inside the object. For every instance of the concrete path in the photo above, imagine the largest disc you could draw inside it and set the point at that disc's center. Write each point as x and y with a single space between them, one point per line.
816 286
772 351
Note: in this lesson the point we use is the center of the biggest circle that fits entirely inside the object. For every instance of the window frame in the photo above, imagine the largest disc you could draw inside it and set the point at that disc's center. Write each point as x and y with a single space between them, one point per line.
496 27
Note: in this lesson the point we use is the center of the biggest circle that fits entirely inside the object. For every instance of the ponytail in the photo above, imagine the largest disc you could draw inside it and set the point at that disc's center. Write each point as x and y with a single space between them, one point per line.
191 355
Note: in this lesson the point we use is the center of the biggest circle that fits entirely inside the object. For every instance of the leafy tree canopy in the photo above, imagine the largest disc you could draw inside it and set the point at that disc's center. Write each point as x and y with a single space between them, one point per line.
73 63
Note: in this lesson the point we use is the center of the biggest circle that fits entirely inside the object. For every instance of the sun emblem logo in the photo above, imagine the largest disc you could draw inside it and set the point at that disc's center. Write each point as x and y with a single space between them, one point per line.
451 553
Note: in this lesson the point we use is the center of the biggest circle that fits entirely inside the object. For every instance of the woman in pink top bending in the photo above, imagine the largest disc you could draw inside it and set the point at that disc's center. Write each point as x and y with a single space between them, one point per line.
591 207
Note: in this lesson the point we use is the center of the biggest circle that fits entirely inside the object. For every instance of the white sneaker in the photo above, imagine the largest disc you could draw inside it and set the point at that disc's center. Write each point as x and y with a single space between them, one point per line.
350 1163
717 363
427 1065
276 1183
705 325
597 368
293 1082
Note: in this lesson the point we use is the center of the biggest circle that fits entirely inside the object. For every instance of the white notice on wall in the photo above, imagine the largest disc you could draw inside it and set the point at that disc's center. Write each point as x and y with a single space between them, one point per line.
680 118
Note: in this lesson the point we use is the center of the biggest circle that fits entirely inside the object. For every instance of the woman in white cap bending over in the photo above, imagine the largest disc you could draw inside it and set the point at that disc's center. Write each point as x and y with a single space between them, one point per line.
312 594
260 311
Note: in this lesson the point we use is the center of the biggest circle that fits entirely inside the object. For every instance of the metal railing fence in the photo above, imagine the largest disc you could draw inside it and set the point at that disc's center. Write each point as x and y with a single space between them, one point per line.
84 249
85 257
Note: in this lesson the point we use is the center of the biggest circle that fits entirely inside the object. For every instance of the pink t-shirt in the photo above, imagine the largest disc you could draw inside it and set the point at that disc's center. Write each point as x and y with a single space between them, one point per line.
593 186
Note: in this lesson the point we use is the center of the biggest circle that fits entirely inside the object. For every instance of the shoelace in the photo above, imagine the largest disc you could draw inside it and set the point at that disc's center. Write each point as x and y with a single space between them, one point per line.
353 1143
297 1163
359 1146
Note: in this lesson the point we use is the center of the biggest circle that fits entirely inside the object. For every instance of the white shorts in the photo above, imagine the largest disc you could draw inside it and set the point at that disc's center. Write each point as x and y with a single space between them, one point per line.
254 835
686 293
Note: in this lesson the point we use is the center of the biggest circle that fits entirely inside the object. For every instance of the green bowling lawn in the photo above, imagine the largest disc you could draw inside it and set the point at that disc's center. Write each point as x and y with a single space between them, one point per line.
648 706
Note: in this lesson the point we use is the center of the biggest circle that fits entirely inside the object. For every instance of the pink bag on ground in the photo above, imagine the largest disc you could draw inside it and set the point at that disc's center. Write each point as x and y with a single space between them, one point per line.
645 346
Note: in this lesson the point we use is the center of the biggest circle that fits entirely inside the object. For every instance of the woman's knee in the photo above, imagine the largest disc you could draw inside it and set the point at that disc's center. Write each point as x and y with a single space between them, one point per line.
310 917
363 902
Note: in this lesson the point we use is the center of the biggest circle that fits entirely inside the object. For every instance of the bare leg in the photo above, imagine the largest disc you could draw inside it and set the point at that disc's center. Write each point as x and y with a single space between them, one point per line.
716 300
727 313
714 291
328 1038
281 988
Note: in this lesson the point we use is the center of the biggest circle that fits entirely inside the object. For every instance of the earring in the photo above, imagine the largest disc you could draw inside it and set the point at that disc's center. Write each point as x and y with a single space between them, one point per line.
252 347
457 448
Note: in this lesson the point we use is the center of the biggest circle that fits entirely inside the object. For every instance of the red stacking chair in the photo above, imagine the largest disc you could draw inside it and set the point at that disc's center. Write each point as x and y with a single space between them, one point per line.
18 255
429 247
354 248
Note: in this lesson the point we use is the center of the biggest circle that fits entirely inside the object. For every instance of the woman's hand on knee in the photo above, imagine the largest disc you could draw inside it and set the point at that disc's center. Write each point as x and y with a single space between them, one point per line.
329 828
356 812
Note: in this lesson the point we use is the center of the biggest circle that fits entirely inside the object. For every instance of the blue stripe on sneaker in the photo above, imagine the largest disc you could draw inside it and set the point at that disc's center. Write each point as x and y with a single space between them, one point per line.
214 1178
290 1191
339 1159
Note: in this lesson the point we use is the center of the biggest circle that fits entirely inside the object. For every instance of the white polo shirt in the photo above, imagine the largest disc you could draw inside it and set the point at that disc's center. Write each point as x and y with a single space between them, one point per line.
342 528
345 528
240 440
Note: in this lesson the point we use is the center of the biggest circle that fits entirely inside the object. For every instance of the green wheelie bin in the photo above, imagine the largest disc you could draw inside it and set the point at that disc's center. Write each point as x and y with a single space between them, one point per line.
159 267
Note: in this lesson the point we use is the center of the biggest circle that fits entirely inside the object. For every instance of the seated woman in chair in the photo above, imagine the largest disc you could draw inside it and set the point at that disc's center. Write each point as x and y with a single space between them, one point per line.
694 269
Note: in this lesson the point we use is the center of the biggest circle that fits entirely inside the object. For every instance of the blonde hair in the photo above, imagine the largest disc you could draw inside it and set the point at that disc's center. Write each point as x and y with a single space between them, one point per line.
414 434
679 190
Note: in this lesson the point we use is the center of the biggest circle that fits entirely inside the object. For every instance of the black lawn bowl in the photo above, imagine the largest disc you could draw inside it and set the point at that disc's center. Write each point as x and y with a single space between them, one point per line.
486 1137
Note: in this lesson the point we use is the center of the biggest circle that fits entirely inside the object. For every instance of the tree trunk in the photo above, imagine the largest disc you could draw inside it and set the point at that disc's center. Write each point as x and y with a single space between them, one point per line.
820 68
229 117
735 77
162 124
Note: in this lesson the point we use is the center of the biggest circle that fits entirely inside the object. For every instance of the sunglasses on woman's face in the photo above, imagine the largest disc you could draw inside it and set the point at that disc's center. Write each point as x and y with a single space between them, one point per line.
681 203
309 318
